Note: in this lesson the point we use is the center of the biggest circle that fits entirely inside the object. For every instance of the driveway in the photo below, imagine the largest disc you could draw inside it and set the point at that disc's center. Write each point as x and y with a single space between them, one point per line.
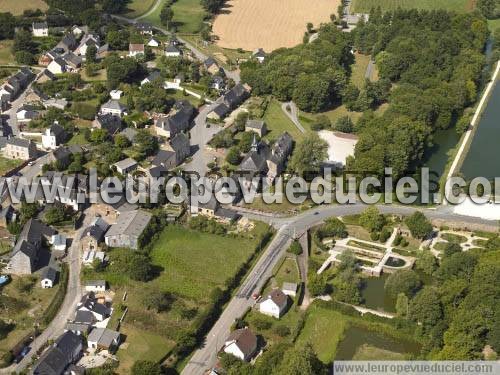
293 114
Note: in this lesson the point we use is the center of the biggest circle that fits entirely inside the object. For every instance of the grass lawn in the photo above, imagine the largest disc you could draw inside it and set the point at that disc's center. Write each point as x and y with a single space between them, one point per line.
494 24
78 139
99 76
140 345
364 6
194 263
359 70
24 310
278 122
8 164
455 238
337 113
368 352
324 329
6 56
138 7
17 7
188 16
179 95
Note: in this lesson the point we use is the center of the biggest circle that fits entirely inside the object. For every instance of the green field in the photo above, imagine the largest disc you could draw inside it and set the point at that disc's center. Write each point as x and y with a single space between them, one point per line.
138 7
324 329
6 56
277 122
8 164
194 263
17 7
364 6
188 16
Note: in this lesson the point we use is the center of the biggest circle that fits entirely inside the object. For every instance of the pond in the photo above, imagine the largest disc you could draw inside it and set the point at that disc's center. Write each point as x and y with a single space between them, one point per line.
437 156
374 295
395 262
355 337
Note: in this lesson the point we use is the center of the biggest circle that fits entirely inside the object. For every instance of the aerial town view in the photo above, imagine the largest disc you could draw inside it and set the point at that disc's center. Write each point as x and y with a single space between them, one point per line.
249 187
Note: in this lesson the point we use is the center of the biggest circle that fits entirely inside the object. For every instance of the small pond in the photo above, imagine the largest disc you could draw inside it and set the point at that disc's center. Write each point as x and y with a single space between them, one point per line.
395 262
355 337
374 295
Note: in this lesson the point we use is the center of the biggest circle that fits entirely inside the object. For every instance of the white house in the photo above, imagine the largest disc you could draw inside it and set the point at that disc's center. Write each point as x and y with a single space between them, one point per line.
103 338
57 66
95 286
274 304
53 136
48 277
172 51
135 50
40 29
259 54
113 107
26 113
153 43
241 343
89 303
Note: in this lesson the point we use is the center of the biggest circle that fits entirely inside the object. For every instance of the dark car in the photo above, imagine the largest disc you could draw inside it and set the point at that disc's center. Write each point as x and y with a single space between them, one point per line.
23 353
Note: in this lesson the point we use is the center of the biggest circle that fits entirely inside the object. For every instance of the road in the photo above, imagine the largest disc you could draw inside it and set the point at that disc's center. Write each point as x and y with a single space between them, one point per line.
292 114
31 171
205 357
67 310
200 136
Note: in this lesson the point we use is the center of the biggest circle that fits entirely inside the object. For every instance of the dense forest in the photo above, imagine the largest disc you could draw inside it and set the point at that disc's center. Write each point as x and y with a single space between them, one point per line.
430 61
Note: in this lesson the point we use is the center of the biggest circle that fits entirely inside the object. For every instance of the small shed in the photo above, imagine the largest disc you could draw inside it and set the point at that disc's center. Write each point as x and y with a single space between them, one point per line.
48 277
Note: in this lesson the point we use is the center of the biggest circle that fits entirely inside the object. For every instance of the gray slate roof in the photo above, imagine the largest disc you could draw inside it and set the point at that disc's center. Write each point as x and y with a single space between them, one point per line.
132 224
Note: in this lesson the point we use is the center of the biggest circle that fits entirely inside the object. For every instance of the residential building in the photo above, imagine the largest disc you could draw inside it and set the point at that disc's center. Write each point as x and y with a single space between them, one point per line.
93 235
152 77
104 338
68 43
45 76
79 30
179 120
219 112
172 51
77 328
241 343
237 95
19 148
280 152
59 243
116 94
218 83
153 43
128 229
58 66
95 286
125 166
73 62
87 41
88 303
25 254
89 256
59 103
34 95
135 50
113 107
274 304
259 54
179 150
144 28
48 277
111 123
27 113
54 136
257 126
40 29
211 66
67 349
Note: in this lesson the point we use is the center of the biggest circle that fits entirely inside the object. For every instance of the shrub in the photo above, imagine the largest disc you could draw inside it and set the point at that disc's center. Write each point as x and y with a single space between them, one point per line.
295 248
282 330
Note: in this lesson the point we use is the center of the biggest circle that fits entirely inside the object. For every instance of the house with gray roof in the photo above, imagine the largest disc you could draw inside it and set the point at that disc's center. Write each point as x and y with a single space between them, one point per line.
257 126
68 43
112 123
113 107
40 29
179 120
128 229
67 349
25 254
19 148
219 112
104 338
48 277
172 51
89 303
93 235
155 75
125 166
237 95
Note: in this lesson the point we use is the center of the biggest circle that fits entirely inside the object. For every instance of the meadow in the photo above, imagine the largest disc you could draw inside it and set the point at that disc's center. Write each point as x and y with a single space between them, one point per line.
17 7
188 16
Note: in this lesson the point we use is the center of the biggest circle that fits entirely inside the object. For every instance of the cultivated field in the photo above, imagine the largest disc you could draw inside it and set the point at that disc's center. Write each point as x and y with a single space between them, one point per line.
17 7
251 24
364 6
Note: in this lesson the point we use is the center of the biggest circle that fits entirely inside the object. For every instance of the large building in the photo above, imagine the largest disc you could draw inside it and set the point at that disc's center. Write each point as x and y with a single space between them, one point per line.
128 229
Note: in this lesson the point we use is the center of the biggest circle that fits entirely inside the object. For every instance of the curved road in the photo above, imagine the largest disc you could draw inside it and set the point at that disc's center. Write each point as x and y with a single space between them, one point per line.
206 357
293 114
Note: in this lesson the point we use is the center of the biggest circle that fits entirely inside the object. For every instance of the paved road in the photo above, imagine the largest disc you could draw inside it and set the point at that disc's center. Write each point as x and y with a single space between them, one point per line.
67 310
205 357
31 171
200 136
292 114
